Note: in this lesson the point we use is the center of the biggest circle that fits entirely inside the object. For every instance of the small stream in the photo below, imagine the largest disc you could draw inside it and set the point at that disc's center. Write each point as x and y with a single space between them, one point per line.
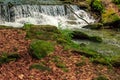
110 45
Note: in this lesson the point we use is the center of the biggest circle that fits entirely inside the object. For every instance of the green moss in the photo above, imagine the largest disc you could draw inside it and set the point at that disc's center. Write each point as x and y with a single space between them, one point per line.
27 26
5 27
40 49
96 39
5 57
40 67
95 26
102 60
59 63
80 63
62 66
97 6
116 1
56 59
84 36
79 35
101 77
45 32
109 16
86 52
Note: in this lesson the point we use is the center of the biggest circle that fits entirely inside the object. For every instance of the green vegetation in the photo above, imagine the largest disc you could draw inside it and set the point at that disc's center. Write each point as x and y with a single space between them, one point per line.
56 59
109 16
5 57
97 57
59 63
27 26
40 67
40 49
116 1
5 27
95 26
62 66
101 77
80 63
84 36
41 32
97 6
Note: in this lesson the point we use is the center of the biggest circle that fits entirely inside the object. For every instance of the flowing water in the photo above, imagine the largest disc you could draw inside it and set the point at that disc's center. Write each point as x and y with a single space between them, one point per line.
110 45
58 15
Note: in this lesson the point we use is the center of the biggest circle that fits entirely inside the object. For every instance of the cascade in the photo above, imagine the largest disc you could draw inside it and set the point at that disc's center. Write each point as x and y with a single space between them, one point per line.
58 15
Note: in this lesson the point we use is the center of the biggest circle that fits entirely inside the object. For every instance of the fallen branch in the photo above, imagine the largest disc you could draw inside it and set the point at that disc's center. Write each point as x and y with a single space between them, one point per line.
71 9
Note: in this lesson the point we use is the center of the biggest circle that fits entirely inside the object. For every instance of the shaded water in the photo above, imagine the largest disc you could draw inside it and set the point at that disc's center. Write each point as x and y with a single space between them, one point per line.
110 45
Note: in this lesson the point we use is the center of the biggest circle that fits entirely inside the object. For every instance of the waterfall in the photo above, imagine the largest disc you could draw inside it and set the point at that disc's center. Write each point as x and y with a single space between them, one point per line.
58 15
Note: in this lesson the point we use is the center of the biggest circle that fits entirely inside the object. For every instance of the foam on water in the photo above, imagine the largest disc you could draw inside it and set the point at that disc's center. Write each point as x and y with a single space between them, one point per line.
57 15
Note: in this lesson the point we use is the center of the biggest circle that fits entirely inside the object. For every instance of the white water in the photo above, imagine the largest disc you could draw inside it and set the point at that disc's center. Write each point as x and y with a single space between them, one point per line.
57 15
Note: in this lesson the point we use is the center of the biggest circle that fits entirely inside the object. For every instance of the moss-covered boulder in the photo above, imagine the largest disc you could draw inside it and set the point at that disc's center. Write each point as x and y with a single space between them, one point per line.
95 26
40 49
7 57
84 36
79 35
40 67
43 32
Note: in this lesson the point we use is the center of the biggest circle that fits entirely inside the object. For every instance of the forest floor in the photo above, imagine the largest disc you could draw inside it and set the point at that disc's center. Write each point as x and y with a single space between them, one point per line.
76 66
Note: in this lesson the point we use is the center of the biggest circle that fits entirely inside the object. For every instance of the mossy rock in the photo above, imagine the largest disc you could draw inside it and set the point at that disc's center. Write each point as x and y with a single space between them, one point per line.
95 26
84 36
5 27
116 62
113 24
85 52
7 57
48 28
96 39
101 77
43 32
40 67
79 35
40 49
83 5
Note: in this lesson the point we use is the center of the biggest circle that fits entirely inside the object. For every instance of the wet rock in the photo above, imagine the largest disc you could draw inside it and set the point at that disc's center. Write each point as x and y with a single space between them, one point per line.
83 36
94 26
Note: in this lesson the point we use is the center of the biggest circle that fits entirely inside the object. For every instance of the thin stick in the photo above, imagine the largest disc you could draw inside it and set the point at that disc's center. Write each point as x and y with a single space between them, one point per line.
71 9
